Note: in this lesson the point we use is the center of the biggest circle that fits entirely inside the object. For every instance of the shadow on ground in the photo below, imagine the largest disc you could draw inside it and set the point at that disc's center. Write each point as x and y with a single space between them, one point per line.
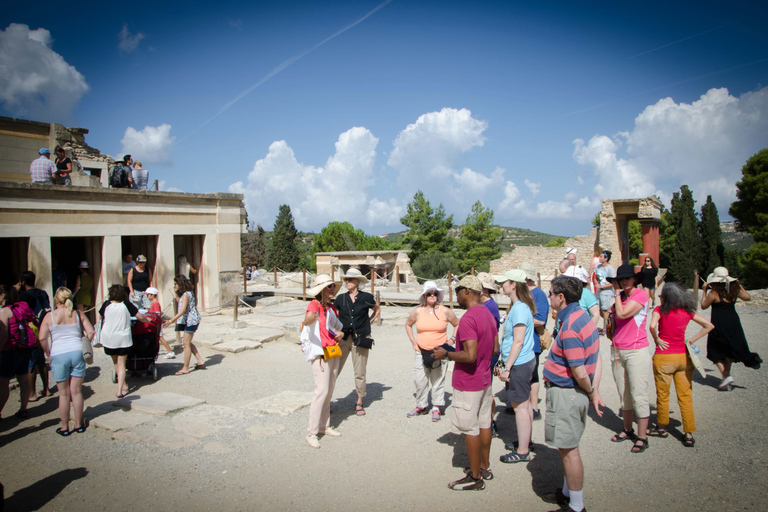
343 408
37 495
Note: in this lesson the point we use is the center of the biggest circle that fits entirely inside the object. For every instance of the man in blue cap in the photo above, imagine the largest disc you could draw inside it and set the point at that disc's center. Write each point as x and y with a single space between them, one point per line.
42 169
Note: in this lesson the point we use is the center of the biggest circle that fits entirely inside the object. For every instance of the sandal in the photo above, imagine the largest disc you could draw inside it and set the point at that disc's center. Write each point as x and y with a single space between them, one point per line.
22 414
359 410
640 445
62 432
657 432
628 434
688 440
516 457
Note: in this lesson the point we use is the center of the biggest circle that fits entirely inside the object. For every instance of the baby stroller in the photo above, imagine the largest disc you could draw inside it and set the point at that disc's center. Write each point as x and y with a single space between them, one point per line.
146 346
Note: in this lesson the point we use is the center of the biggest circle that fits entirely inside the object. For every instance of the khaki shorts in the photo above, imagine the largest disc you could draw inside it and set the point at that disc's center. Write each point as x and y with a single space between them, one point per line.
566 416
471 411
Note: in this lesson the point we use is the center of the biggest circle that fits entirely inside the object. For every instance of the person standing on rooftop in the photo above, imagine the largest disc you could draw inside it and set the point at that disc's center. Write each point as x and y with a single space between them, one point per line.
42 169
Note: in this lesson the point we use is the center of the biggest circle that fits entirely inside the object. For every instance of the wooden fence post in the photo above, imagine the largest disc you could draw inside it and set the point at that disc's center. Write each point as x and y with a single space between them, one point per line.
473 270
234 317
696 284
378 303
275 270
304 284
450 291
373 281
538 276
397 277
245 282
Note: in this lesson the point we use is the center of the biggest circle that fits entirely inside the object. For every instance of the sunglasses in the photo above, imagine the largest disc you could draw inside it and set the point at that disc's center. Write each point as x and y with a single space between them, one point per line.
431 294
349 279
330 287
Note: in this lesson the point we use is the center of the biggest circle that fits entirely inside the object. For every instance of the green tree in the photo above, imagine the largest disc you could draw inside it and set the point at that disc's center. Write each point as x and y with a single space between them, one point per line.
479 240
751 213
666 239
254 247
711 238
686 252
342 236
556 242
284 251
434 265
635 234
427 227
596 220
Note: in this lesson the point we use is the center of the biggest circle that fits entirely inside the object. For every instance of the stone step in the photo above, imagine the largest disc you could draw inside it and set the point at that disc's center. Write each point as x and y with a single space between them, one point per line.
158 403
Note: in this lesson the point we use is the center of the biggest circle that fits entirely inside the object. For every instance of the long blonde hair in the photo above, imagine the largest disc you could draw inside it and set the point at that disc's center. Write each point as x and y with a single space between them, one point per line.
64 297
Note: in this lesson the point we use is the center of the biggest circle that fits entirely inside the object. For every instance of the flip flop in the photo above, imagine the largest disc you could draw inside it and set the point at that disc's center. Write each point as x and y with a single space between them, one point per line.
120 396
22 414
200 367
181 372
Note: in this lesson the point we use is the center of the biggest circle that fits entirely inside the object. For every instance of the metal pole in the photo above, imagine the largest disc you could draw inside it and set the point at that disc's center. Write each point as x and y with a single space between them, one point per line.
450 291
397 277
275 270
304 284
378 303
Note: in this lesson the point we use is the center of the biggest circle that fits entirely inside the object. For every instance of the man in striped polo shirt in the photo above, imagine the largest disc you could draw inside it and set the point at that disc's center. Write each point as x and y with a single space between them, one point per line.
571 376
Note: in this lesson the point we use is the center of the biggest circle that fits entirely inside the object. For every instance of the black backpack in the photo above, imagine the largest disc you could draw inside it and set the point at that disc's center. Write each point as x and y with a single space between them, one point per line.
118 177
42 306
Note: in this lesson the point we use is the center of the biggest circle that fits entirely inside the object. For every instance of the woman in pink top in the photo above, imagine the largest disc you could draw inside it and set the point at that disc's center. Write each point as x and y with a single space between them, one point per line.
431 320
671 360
630 358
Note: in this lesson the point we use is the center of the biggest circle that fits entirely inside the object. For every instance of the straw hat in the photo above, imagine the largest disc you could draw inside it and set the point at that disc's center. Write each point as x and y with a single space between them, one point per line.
83 264
529 269
321 281
354 273
431 286
720 275
487 281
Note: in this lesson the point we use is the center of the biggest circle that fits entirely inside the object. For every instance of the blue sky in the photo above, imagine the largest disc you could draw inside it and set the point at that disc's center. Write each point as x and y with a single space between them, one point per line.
539 110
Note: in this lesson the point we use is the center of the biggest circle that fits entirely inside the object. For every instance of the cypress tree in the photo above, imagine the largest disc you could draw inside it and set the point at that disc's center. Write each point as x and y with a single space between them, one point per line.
711 238
284 251
686 252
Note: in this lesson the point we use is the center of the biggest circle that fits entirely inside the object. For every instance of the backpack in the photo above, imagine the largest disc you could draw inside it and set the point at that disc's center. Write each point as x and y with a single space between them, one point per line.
118 177
21 336
42 306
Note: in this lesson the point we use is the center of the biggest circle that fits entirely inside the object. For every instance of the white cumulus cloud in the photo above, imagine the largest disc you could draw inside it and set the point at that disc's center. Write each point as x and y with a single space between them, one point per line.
703 144
479 183
535 188
35 81
150 145
426 151
318 195
128 42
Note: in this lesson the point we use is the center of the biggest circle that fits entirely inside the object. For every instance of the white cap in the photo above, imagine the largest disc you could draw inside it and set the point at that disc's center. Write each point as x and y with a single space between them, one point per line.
151 290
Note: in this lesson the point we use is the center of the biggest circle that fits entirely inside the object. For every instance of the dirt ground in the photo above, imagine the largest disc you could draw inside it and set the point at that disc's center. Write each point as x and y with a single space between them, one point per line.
225 455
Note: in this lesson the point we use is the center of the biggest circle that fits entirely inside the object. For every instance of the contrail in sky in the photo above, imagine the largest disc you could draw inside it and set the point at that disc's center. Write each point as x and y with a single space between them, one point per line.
282 66
678 41
593 107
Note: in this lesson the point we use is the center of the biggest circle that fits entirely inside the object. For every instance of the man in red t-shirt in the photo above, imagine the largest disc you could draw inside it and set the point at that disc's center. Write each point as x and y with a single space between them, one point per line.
476 341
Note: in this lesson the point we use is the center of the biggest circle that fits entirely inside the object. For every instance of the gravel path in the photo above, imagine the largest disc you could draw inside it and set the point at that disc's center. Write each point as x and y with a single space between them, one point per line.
225 455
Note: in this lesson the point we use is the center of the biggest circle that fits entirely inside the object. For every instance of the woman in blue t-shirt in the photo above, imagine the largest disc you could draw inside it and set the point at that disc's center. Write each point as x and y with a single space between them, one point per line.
519 360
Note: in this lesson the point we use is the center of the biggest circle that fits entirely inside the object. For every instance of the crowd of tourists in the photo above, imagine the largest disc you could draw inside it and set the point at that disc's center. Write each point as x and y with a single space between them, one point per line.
124 173
485 343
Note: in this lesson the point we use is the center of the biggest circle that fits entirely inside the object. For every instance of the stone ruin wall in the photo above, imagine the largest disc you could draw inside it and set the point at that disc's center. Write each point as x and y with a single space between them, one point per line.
547 259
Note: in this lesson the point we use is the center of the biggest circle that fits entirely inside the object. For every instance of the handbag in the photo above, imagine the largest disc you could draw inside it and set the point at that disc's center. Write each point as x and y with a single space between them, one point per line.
358 340
695 359
331 351
429 361
87 347
544 337
311 345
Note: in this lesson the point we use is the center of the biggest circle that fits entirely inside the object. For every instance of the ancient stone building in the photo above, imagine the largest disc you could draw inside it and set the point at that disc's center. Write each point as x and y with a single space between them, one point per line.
378 264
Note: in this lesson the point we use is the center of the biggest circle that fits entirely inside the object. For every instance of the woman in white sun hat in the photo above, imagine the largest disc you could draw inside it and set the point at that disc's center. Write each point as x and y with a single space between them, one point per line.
353 308
431 319
726 344
324 372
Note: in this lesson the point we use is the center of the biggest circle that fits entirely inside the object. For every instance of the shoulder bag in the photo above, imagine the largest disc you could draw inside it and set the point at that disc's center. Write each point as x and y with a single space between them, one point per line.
87 347
544 337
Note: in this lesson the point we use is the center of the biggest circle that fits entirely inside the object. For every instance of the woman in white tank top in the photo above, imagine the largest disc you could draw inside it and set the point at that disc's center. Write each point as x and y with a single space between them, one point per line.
65 352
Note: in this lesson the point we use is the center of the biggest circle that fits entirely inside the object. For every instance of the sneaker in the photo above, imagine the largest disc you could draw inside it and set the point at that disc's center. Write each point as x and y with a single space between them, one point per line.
486 474
313 441
329 431
435 414
418 411
467 484
170 355
536 415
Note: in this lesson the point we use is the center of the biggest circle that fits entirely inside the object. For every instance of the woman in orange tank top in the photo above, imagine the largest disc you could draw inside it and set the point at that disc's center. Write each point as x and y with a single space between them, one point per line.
431 320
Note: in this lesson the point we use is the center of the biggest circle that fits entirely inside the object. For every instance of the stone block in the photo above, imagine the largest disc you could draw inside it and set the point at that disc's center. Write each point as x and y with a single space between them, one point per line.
282 403
121 420
240 324
158 403
236 346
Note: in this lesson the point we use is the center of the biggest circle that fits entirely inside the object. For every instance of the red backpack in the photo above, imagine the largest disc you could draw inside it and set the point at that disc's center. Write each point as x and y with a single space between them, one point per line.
22 337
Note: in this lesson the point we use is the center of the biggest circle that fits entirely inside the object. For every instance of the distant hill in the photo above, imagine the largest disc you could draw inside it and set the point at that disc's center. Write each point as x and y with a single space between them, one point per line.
734 240
512 236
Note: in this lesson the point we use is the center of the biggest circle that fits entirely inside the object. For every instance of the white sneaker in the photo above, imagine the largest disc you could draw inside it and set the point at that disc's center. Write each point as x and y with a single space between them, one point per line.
331 432
313 441
170 355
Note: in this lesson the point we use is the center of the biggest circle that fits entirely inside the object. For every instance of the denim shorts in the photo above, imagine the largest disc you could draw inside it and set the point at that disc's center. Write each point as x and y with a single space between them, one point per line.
14 362
36 358
187 328
68 364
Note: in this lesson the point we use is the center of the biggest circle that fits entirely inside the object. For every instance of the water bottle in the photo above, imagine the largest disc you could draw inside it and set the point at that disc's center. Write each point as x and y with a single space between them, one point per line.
696 349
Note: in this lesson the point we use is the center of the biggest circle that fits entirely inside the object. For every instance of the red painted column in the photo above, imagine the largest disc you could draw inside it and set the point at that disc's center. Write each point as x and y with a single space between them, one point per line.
650 232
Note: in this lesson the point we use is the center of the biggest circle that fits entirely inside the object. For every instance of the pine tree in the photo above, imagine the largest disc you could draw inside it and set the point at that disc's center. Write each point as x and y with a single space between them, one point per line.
284 251
685 256
479 240
427 227
711 238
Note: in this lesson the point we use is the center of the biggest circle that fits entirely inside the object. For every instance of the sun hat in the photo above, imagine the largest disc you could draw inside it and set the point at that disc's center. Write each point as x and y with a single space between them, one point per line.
487 280
571 250
517 275
354 273
321 281
625 271
529 269
577 271
470 282
151 290
431 286
720 275
44 151
83 264
141 258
